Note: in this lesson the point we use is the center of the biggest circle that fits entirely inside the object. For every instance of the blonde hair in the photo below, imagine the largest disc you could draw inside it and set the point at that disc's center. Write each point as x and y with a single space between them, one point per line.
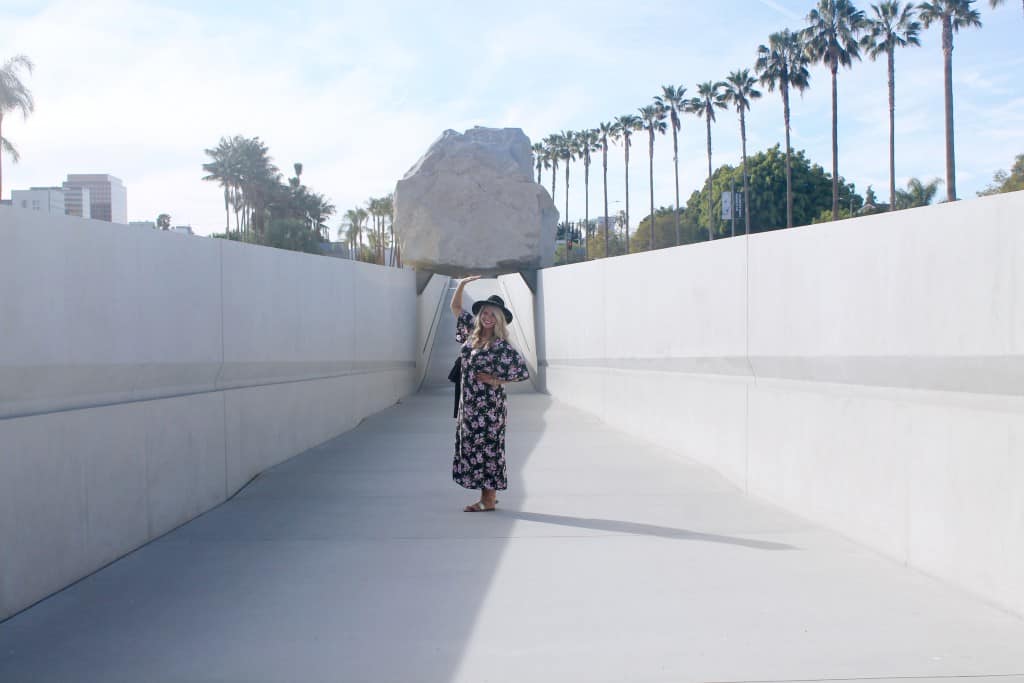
500 327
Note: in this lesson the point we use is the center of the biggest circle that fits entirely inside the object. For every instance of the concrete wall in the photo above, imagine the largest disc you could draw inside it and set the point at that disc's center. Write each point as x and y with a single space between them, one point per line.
867 374
147 376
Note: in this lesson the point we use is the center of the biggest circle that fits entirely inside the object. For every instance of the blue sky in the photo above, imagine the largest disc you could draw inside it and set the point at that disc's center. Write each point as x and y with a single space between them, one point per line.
357 91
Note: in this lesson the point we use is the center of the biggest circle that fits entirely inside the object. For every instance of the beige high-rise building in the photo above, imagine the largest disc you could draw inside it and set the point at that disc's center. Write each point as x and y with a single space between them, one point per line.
107 196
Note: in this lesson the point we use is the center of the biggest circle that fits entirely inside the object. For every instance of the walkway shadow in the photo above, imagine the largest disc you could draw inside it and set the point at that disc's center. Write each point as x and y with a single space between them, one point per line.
620 527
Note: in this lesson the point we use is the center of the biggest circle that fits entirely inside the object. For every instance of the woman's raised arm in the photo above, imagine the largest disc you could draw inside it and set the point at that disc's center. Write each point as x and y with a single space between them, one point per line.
457 296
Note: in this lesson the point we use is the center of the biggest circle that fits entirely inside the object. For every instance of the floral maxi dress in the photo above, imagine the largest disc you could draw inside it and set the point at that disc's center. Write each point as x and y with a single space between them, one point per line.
480 432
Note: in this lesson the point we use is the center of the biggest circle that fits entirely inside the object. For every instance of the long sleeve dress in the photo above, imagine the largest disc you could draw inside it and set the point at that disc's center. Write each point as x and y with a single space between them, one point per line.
480 432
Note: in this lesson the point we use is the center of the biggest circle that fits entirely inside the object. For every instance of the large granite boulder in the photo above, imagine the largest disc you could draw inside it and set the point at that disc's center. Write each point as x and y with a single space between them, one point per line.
470 205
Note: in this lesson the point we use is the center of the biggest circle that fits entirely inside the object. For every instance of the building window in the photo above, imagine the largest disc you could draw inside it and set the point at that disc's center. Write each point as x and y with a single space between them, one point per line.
35 204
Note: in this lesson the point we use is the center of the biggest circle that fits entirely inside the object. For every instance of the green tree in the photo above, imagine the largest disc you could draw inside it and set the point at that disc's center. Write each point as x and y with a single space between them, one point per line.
709 97
14 96
625 126
293 234
782 64
740 91
673 100
917 193
652 119
951 15
832 39
664 230
767 171
893 25
1007 182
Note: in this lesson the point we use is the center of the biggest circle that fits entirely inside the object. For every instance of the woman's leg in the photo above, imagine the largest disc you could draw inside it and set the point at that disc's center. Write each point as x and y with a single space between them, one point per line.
488 497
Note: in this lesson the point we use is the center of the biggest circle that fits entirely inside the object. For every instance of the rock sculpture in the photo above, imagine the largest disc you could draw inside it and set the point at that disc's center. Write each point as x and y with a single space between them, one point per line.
470 205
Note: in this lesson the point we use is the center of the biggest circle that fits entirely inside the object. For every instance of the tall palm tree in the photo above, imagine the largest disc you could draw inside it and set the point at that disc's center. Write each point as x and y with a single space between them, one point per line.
782 64
353 222
893 25
952 15
832 38
568 152
540 157
672 99
222 169
652 118
604 131
740 91
387 208
259 178
586 142
625 126
709 97
14 96
553 145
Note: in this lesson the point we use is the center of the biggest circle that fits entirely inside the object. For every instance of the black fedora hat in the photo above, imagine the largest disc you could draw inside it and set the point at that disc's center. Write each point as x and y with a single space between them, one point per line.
493 300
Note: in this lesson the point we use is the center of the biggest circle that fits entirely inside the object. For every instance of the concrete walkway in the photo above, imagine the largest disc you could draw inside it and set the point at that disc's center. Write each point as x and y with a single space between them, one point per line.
609 560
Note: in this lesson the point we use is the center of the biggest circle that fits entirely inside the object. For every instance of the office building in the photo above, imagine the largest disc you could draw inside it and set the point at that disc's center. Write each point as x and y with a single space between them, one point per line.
108 198
77 201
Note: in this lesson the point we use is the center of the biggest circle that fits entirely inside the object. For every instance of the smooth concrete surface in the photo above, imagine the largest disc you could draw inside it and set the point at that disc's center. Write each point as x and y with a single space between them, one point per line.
146 376
431 305
867 374
610 559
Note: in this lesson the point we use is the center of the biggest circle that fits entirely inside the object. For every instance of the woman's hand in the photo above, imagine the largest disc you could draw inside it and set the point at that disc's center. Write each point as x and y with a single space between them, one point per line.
488 379
456 304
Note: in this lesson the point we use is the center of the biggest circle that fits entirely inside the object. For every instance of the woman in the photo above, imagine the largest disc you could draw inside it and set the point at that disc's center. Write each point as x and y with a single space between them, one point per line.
488 361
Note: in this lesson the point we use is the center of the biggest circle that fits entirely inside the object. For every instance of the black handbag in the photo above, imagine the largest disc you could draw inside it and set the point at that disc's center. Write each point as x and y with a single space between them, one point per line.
456 376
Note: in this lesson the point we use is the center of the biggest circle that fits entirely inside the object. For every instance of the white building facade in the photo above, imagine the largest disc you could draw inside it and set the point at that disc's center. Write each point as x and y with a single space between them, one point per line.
48 200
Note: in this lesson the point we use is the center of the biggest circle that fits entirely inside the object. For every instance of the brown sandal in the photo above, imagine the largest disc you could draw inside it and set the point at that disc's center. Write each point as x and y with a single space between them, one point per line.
479 507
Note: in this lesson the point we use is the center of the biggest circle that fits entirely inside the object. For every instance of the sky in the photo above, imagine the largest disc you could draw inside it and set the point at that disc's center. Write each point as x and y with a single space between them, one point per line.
357 91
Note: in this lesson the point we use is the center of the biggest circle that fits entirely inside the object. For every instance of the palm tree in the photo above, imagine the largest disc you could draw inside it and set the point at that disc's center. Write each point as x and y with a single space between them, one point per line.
953 15
652 118
893 25
917 193
739 91
541 159
353 223
14 95
672 99
567 151
709 97
604 131
259 179
782 64
223 169
832 39
553 145
586 142
625 126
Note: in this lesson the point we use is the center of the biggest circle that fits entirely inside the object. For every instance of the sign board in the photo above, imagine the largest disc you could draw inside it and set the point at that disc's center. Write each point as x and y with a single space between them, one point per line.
730 199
